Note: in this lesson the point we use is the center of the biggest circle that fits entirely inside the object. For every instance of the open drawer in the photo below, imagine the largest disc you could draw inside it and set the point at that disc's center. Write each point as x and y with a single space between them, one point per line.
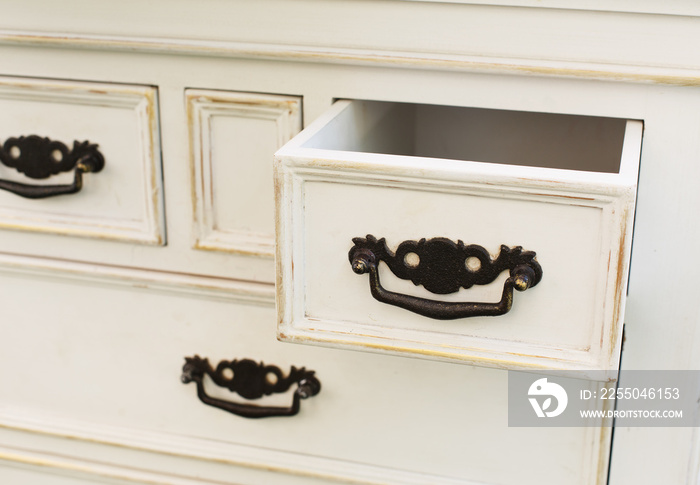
444 207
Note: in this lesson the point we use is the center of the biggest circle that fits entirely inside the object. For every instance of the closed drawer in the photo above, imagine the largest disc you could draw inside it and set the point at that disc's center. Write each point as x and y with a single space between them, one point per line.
461 197
232 135
110 373
47 127
217 148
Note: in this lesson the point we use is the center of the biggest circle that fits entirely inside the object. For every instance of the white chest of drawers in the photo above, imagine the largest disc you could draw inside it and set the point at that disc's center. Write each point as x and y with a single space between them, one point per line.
96 329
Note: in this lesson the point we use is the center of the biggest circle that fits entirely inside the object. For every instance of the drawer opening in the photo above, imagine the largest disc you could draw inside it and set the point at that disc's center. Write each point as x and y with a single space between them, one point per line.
559 141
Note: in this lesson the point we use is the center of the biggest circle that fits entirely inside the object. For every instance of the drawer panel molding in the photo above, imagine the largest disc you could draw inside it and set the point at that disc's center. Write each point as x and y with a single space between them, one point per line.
232 136
122 203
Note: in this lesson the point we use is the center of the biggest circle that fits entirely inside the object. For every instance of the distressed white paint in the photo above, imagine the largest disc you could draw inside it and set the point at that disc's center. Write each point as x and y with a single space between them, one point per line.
385 27
232 136
666 138
354 429
91 273
490 56
579 221
124 201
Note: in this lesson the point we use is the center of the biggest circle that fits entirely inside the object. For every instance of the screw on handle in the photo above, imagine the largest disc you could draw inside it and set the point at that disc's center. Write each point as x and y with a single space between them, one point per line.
362 260
523 276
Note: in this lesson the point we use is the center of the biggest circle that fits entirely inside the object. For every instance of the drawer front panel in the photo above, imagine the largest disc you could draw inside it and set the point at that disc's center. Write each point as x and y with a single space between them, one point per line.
477 218
115 359
232 137
124 200
336 193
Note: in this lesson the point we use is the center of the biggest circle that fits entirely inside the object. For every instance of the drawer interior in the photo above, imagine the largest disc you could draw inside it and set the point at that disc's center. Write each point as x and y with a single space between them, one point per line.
561 141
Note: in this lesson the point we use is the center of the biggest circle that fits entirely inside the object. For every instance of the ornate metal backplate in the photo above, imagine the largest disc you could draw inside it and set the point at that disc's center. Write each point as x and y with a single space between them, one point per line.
251 380
442 267
39 157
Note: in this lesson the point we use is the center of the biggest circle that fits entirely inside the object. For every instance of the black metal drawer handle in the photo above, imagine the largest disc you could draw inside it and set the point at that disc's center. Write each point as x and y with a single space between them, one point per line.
443 267
250 380
39 158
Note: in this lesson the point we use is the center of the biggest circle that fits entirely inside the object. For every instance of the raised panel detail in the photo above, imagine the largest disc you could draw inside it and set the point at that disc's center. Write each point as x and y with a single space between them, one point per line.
233 136
124 201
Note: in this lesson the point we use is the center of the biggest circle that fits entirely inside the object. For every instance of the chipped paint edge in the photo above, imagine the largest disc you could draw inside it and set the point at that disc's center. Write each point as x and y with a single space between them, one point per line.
228 454
197 285
81 469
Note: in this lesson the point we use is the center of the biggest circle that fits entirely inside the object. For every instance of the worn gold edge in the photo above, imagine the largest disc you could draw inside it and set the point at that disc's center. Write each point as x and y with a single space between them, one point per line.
82 468
558 68
366 474
212 286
